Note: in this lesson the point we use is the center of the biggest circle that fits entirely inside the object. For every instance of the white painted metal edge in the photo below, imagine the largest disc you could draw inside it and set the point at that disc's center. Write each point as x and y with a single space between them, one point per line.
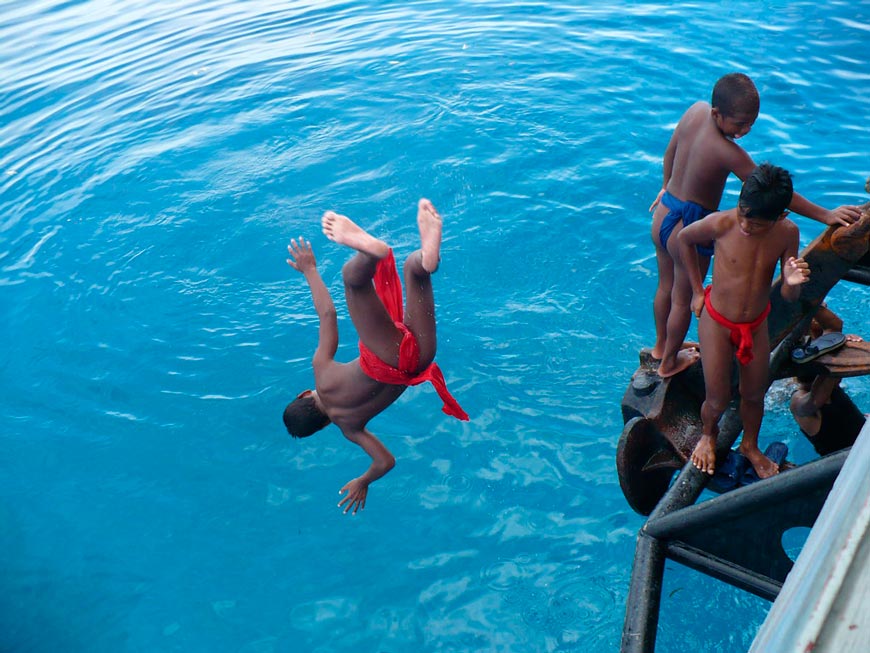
804 607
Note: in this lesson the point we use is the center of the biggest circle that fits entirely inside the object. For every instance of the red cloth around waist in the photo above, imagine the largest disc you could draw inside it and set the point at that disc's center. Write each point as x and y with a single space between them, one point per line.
741 332
389 288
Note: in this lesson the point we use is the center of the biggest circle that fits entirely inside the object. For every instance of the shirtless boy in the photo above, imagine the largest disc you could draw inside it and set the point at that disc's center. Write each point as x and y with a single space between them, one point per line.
396 349
701 154
823 411
750 240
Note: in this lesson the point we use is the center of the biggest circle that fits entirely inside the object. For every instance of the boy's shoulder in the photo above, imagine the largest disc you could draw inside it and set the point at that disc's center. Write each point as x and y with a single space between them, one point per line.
713 226
696 111
724 217
788 227
783 234
724 222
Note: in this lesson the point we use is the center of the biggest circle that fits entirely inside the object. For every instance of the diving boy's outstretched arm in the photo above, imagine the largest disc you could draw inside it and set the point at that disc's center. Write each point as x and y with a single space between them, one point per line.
303 260
382 462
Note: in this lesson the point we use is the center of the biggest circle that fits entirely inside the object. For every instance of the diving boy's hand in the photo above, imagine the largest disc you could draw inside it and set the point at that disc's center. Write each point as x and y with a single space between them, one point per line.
795 272
843 215
303 256
357 489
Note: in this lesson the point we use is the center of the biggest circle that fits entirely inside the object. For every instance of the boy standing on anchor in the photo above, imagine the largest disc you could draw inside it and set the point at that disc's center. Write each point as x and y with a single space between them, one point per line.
750 240
397 347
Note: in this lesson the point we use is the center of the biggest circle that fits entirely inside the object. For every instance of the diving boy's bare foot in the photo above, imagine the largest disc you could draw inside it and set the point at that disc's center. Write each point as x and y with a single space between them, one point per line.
704 455
344 231
429 223
684 359
764 466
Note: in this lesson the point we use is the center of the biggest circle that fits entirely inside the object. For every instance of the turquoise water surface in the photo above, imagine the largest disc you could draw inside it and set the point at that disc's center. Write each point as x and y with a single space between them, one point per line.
156 158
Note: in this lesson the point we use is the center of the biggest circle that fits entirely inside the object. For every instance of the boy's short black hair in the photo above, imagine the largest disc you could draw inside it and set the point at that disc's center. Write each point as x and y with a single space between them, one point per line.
735 93
766 192
302 417
805 378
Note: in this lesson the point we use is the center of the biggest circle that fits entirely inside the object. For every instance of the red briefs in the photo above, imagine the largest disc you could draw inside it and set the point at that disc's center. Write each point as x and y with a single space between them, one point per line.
389 289
741 332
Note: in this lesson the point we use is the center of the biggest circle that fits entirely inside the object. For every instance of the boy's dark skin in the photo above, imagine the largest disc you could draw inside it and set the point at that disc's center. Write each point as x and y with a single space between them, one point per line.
806 402
343 392
748 249
700 156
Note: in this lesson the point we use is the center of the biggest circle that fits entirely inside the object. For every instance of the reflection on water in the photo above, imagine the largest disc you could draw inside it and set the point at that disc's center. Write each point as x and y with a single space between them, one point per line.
155 159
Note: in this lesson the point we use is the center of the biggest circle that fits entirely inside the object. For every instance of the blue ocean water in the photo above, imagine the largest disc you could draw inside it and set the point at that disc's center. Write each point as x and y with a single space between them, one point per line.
156 158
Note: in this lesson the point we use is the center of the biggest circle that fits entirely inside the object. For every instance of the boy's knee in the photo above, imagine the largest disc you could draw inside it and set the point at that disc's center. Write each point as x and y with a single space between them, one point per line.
414 264
352 275
752 400
715 407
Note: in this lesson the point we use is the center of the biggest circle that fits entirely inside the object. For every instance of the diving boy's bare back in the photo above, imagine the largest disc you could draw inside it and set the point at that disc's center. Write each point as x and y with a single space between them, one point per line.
397 346
350 397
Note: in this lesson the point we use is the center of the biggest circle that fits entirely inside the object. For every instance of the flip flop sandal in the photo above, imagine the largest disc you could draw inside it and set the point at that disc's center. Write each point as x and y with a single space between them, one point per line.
729 473
822 345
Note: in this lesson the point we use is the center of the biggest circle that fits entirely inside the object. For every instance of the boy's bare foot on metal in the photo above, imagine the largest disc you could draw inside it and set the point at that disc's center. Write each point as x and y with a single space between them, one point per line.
684 359
764 466
704 455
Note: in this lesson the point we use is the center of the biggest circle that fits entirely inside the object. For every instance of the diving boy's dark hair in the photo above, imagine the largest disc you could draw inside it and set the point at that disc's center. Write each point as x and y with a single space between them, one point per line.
735 93
766 192
302 417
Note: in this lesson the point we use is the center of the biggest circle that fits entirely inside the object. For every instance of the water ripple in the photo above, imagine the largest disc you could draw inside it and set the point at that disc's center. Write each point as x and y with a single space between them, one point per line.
154 160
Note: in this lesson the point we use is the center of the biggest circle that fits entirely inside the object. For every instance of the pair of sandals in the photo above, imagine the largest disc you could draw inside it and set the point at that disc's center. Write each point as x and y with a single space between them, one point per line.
736 470
822 345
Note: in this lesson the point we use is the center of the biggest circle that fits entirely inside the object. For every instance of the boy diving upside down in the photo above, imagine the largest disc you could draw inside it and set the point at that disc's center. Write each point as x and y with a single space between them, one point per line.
397 347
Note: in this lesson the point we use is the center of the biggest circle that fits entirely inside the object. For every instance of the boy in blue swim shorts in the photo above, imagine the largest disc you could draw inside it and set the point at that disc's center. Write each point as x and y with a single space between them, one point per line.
701 154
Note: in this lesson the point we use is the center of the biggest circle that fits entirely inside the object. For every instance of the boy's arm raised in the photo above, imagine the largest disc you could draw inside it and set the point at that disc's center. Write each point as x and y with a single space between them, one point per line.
795 271
303 261
742 165
842 215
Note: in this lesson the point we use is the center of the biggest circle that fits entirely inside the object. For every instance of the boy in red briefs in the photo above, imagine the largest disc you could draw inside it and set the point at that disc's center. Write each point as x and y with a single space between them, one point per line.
397 347
750 240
